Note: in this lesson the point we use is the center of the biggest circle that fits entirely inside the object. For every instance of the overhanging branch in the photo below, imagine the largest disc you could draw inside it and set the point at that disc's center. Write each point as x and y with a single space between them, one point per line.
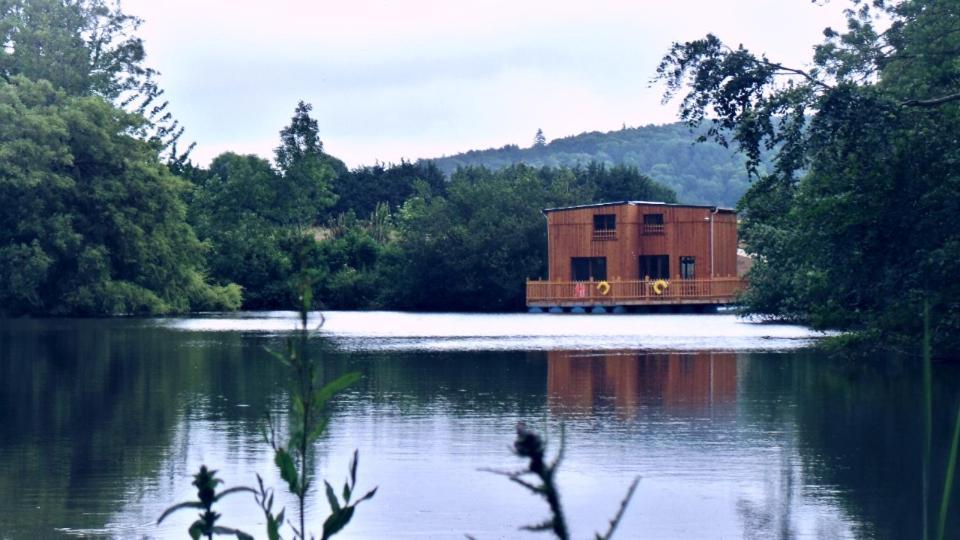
934 102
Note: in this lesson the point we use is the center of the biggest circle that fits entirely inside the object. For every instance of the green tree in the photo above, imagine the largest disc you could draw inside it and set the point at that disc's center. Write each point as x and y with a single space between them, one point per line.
857 221
86 47
305 172
539 140
474 248
234 208
91 221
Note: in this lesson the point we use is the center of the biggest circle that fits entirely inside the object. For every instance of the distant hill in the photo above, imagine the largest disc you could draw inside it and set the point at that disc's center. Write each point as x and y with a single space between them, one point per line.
700 173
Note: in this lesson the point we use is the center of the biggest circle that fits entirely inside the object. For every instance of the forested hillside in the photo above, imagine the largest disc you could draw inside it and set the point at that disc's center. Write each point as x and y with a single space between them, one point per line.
705 173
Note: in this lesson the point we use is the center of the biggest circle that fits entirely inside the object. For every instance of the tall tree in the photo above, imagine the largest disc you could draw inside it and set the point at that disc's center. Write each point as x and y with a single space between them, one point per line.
86 47
306 173
539 140
857 224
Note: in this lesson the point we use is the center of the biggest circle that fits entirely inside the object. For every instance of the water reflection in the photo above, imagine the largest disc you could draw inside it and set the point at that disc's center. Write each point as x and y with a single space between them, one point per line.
629 380
102 422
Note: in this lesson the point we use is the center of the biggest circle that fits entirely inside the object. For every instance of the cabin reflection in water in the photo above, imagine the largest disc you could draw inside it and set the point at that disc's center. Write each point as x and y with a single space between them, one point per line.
578 381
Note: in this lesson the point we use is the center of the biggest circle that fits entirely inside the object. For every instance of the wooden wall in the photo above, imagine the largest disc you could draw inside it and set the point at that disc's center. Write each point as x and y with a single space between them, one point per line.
686 233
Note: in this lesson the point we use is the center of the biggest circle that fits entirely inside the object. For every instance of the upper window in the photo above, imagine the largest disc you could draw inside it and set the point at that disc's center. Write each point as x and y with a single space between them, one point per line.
604 226
653 224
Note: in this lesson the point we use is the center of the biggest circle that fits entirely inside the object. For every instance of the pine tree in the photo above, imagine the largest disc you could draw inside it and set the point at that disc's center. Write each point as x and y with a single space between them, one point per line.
539 140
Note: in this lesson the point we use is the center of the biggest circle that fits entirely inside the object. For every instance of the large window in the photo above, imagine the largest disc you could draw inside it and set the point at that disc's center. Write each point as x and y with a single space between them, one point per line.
687 267
587 268
654 267
653 224
604 226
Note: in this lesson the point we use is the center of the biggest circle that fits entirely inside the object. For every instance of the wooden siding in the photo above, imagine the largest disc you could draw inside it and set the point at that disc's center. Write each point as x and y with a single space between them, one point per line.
686 233
709 236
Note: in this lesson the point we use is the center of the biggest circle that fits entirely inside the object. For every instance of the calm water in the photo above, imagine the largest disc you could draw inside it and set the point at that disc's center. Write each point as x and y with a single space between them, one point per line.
736 429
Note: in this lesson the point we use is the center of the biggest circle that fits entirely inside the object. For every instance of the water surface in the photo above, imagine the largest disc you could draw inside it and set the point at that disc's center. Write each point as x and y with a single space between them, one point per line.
736 430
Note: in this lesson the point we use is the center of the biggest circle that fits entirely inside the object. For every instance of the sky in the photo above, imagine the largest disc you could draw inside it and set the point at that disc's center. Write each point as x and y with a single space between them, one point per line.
409 79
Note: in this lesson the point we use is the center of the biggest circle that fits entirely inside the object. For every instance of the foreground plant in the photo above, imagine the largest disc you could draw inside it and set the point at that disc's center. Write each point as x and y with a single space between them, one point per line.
531 446
206 482
308 420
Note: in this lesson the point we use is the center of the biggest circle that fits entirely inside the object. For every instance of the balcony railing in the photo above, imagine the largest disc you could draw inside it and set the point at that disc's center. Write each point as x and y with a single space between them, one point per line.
634 292
604 234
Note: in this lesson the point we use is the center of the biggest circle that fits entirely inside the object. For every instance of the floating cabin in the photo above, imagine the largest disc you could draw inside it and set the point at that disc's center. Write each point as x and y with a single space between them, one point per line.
636 255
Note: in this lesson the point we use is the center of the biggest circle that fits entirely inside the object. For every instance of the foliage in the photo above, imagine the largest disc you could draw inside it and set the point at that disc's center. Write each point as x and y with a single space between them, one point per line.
307 421
206 482
86 48
92 222
698 173
539 139
363 188
857 220
305 174
258 218
531 446
474 248
234 208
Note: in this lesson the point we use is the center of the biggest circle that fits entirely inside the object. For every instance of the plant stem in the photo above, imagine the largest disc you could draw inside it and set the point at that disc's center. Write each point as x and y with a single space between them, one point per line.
927 417
948 480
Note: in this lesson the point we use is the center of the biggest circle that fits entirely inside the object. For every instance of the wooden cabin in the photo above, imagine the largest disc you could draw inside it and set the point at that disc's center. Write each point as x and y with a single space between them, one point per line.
635 253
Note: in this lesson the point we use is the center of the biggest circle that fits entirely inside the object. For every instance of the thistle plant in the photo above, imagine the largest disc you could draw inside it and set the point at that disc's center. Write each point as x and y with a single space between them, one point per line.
206 482
529 445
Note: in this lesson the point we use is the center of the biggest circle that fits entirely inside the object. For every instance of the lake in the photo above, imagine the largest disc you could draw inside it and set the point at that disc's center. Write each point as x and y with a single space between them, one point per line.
737 430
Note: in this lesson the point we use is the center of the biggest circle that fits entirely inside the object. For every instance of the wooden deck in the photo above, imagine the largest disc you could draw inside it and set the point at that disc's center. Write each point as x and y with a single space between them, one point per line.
633 293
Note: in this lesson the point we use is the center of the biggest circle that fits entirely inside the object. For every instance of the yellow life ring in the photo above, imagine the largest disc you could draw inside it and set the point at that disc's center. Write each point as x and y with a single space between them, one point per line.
659 286
603 287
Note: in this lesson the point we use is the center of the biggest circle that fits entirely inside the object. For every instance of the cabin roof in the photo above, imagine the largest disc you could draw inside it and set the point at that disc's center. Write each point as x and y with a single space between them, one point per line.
637 203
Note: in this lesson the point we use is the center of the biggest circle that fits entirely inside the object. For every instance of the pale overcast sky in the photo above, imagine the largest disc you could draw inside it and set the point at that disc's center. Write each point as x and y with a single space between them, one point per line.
392 79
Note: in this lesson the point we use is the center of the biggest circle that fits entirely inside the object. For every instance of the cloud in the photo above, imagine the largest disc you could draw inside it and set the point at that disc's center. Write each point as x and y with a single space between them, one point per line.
420 78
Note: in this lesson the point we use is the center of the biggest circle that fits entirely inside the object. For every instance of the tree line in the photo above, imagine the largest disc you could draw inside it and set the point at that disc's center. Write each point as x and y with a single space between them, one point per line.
102 215
706 173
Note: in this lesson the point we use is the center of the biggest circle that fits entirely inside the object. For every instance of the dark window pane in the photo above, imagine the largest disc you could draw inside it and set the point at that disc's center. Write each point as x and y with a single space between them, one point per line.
605 222
654 267
687 270
653 219
587 268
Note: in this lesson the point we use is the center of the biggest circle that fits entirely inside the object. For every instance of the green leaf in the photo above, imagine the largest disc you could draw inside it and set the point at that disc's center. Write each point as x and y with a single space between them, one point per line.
319 429
196 530
332 498
288 469
336 386
273 526
232 490
181 506
227 530
336 521
368 496
353 467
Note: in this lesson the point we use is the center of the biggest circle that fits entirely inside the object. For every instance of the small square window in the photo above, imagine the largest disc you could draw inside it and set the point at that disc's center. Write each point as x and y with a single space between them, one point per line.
653 224
605 227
